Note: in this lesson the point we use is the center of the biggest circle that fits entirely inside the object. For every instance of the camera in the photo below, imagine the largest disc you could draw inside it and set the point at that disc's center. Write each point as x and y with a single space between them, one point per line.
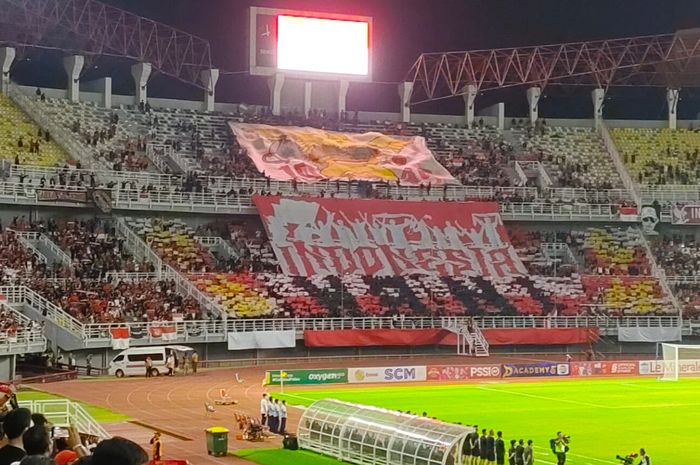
627 459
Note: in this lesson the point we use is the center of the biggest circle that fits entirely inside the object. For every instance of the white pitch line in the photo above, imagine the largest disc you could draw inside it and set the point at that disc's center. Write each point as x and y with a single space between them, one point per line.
298 397
535 396
582 456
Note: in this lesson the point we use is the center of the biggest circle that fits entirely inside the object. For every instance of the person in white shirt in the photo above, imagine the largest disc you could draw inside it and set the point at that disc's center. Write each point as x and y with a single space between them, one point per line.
272 416
263 409
282 408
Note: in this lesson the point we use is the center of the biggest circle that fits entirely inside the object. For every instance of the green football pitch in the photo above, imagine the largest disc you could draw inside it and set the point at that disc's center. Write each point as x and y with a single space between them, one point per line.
604 417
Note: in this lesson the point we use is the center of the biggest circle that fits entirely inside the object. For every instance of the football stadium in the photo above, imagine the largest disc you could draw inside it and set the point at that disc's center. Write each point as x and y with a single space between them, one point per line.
393 232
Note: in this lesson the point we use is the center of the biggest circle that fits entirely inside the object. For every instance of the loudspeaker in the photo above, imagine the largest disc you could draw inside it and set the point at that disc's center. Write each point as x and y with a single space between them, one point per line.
290 442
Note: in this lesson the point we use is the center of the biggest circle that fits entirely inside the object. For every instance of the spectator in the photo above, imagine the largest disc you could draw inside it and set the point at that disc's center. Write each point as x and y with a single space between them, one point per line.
36 441
119 451
15 424
66 457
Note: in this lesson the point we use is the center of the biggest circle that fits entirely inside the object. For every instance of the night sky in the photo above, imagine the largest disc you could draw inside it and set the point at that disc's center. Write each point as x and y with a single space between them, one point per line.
402 30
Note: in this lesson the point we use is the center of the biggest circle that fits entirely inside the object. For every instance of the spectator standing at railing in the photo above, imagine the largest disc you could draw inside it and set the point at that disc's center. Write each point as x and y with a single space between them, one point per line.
195 362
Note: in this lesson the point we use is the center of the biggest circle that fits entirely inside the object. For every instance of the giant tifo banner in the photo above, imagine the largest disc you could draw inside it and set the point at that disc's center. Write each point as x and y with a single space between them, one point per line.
328 236
305 154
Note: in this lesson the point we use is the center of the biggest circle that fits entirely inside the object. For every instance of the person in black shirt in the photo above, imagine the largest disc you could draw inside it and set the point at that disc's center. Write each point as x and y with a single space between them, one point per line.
520 453
500 447
511 452
16 422
466 449
474 441
490 448
483 451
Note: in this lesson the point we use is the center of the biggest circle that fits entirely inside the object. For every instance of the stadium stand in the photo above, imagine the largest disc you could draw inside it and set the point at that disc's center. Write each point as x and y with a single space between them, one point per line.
22 141
660 156
175 243
574 157
115 139
100 301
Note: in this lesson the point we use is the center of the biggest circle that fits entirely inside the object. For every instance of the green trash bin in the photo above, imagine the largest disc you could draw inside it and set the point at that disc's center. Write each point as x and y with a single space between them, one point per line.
217 441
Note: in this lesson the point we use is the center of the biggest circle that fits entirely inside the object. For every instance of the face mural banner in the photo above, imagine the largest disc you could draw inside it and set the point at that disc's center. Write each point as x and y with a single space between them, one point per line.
327 236
287 153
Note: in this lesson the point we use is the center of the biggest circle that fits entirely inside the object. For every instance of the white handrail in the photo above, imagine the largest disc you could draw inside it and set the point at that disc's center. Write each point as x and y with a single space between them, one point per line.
610 146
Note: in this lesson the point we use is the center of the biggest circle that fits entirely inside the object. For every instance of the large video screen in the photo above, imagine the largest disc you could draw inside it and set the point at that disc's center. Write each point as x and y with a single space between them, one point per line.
322 45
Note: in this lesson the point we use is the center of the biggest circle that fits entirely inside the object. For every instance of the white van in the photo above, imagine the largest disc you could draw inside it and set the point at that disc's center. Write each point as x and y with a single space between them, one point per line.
132 361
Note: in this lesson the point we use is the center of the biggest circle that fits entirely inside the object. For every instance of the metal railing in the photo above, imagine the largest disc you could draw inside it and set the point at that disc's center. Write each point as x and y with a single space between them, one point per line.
28 338
659 273
561 212
25 295
158 154
66 413
182 201
206 328
670 193
62 257
132 277
611 148
61 135
142 251
216 242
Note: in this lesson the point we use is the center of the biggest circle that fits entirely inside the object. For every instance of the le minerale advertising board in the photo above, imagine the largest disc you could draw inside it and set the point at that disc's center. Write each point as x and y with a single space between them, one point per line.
320 376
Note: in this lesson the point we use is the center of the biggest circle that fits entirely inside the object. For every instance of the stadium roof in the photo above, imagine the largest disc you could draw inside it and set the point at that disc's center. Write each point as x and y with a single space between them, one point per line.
668 60
92 28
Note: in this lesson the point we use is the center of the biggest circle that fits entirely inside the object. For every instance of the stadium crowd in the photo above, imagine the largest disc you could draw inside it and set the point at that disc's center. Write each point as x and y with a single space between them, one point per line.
29 440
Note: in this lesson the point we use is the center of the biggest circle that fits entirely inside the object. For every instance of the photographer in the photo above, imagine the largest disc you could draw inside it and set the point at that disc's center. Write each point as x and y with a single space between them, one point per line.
561 447
644 459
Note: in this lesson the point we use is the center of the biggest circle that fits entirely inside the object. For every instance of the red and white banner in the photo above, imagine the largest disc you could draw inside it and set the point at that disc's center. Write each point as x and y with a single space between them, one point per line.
605 368
628 214
120 338
305 154
328 236
463 372
167 333
685 214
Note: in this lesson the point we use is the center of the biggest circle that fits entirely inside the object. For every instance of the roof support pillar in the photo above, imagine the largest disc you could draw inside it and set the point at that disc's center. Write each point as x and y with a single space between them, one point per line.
275 83
469 96
405 92
141 72
598 97
73 65
533 100
209 78
7 57
672 97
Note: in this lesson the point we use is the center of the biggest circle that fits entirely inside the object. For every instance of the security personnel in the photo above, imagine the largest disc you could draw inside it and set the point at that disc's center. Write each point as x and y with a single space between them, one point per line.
157 446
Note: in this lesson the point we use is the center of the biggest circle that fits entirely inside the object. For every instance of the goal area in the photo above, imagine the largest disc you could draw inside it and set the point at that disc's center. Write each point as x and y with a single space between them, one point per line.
679 360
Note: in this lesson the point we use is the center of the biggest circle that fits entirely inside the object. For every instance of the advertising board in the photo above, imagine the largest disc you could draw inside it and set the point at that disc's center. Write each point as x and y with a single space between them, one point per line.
397 374
463 372
658 367
516 370
320 376
605 368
